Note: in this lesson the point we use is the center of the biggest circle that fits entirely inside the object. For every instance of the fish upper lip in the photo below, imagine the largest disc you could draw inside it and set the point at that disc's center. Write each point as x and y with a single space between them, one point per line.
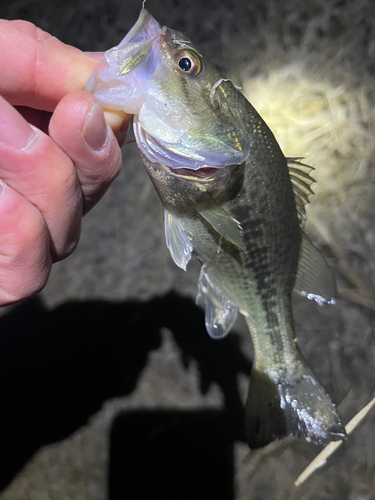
144 22
152 29
143 35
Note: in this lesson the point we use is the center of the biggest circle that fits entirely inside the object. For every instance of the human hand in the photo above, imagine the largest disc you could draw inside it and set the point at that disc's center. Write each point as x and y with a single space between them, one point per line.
55 170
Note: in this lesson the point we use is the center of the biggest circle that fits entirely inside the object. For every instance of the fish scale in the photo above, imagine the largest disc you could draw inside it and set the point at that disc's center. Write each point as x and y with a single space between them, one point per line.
230 198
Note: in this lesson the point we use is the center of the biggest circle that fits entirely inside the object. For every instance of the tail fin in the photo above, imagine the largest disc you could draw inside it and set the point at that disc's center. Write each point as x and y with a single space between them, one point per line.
282 405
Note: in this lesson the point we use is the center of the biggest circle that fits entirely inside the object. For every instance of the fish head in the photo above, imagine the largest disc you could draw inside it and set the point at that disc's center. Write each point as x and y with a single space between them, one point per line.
186 115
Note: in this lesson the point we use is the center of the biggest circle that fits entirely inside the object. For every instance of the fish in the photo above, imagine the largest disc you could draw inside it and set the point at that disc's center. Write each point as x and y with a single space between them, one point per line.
234 200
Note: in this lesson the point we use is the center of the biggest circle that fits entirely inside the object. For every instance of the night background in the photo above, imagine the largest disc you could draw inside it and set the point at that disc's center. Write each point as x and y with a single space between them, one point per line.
109 384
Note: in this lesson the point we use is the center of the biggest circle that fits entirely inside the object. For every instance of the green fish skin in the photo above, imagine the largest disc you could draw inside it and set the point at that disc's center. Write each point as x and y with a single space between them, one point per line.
231 198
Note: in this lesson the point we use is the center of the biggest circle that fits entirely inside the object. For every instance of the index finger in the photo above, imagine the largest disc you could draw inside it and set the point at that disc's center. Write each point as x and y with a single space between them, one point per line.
37 69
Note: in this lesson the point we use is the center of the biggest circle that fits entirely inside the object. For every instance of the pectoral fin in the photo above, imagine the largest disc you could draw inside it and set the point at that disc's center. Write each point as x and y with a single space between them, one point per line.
221 221
220 312
314 279
177 242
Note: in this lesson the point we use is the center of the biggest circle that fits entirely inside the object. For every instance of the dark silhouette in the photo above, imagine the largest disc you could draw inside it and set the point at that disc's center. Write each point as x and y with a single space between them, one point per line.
57 367
170 455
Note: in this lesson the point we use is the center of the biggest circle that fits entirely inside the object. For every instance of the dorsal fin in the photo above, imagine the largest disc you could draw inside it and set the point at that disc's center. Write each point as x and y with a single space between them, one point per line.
301 180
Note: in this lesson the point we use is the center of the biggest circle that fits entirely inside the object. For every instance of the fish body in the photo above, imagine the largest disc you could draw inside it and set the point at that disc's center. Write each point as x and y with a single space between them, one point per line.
231 198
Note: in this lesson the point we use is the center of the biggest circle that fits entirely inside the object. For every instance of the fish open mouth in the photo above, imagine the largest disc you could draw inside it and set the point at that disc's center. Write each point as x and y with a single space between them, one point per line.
205 174
180 159
201 173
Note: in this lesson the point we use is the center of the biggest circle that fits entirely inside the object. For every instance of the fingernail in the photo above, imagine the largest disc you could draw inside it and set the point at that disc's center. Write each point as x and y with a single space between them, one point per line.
14 129
95 129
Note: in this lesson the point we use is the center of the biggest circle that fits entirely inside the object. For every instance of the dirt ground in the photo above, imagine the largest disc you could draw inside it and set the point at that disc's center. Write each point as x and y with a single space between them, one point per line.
110 386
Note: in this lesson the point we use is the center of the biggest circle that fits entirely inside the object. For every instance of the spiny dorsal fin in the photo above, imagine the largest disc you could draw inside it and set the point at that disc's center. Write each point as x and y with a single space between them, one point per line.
301 180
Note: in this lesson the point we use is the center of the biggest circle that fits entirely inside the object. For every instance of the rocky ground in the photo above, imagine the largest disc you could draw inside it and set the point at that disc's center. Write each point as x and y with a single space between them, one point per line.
110 386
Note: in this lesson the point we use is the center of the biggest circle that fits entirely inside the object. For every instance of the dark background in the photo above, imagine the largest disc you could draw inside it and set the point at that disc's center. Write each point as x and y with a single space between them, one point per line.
110 386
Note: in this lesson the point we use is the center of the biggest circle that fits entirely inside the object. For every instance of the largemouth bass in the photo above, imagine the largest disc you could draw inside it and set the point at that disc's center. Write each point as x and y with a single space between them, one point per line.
232 198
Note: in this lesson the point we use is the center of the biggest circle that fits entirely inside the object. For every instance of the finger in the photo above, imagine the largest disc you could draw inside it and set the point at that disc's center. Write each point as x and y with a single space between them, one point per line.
22 272
33 165
36 117
37 70
117 120
79 128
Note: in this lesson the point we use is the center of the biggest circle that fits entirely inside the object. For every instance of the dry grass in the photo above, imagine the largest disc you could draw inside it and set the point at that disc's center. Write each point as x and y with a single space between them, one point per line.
321 459
318 112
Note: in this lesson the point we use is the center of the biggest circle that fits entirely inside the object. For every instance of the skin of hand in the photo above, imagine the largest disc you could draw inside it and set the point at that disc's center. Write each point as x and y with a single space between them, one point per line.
58 154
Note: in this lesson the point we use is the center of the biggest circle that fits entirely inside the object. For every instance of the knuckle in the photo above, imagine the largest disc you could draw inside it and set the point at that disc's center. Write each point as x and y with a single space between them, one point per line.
66 249
103 172
30 232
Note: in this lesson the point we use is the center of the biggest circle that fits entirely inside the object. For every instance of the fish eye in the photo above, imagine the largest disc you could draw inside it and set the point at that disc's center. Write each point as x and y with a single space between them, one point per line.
189 62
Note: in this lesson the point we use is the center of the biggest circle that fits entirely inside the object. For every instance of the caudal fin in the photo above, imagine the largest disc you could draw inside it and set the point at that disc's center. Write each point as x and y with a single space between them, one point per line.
277 407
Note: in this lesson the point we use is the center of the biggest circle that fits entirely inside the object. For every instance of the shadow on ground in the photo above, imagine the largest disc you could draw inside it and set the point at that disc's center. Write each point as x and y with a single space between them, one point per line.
57 368
178 454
